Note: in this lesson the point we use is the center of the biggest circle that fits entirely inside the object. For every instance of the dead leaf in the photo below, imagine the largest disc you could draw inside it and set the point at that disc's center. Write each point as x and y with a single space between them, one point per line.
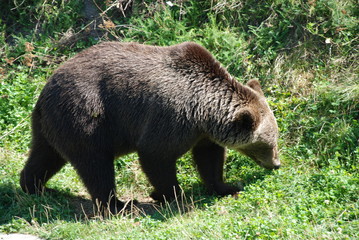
28 47
9 61
312 2
108 24
28 60
339 29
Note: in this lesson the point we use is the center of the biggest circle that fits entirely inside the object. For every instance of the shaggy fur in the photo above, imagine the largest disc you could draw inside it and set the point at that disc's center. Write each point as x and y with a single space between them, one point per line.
116 98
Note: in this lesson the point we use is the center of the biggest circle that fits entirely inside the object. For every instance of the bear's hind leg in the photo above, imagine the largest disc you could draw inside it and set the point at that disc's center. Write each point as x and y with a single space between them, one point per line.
209 158
42 164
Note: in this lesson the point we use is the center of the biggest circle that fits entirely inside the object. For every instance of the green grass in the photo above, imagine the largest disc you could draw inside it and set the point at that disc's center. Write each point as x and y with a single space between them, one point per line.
305 53
292 203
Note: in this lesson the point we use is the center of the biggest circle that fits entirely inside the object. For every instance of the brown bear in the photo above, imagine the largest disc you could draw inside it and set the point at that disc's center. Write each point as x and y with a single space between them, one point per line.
116 98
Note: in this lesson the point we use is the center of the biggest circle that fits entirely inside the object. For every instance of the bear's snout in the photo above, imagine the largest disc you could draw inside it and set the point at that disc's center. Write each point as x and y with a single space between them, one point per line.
264 156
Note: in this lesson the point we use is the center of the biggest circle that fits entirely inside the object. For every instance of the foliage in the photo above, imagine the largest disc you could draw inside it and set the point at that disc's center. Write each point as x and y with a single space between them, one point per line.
305 53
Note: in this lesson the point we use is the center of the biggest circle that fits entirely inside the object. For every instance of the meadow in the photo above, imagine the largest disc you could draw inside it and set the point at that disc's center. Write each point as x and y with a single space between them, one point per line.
304 53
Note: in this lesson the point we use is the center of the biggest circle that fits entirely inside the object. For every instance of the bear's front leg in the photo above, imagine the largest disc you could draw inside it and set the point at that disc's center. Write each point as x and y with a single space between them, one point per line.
161 172
209 158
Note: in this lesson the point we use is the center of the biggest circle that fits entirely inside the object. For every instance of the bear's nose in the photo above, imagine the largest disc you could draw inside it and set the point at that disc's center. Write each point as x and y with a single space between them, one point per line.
276 167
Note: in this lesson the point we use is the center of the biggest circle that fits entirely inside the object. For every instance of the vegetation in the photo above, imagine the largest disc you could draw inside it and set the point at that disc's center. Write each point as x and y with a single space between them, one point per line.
305 54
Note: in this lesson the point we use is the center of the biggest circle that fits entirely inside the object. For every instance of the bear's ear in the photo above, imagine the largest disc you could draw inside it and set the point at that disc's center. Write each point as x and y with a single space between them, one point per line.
246 119
256 86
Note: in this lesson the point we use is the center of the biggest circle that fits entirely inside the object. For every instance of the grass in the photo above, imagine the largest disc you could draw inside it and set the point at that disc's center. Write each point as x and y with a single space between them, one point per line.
304 53
292 203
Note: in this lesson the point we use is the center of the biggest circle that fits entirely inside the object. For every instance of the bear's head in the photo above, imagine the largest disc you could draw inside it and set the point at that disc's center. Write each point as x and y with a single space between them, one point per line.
259 129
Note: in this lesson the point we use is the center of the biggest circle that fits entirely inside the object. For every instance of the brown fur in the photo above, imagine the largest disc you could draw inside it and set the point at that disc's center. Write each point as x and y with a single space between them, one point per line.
116 98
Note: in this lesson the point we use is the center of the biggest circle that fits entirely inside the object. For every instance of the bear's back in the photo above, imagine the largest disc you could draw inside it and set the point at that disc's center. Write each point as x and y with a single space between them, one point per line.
121 85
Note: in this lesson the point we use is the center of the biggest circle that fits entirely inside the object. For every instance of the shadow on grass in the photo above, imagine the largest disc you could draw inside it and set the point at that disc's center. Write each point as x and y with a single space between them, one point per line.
61 205
44 208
